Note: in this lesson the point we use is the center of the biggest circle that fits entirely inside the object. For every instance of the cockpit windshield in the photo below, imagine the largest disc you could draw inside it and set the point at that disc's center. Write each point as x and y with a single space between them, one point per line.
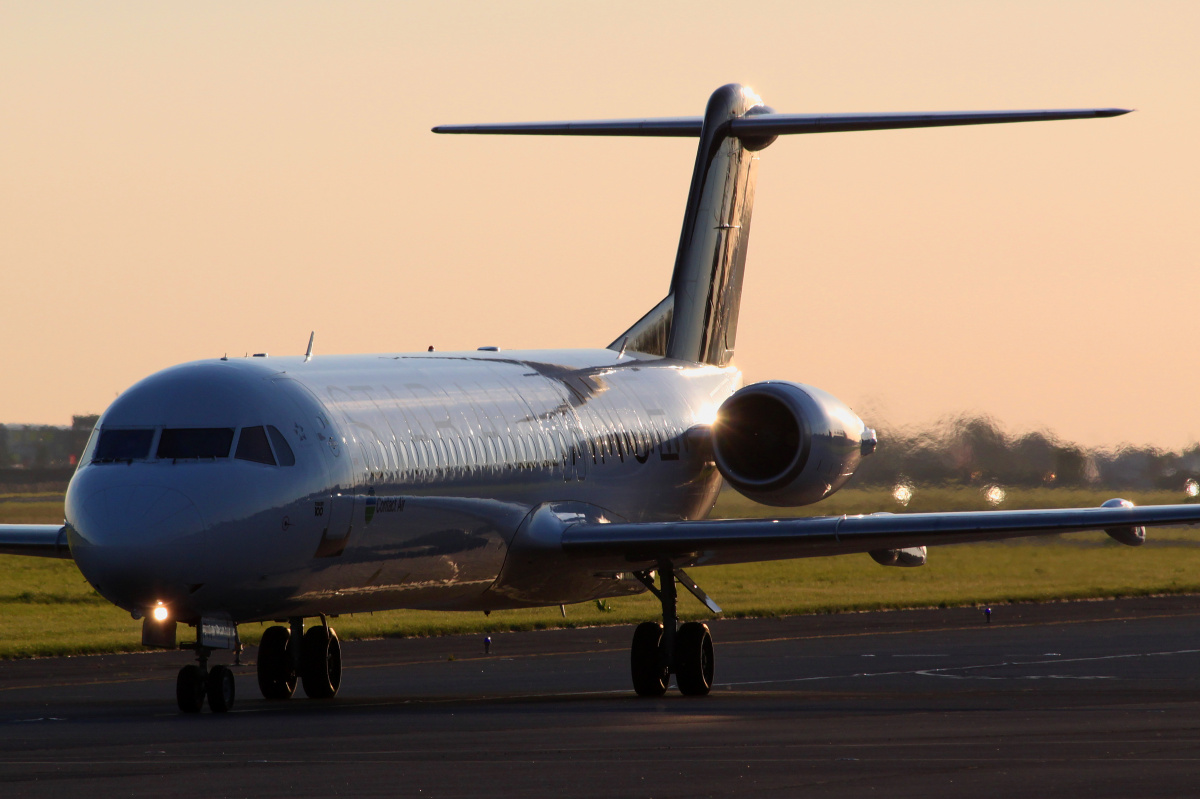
195 442
286 458
258 444
253 446
123 445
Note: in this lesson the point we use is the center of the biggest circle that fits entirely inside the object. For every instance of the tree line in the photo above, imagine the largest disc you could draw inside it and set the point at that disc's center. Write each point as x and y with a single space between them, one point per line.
974 450
46 446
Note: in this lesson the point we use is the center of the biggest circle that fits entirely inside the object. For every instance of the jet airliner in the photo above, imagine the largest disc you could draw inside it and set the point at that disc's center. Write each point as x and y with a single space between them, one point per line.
228 491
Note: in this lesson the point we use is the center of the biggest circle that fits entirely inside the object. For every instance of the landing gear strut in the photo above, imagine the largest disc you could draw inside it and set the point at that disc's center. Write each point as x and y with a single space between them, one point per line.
660 650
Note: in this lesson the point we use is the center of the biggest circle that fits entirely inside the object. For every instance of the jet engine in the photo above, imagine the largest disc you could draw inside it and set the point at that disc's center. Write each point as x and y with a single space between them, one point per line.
787 444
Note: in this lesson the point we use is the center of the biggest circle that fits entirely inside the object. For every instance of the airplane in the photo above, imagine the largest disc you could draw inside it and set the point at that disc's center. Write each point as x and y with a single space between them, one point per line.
236 490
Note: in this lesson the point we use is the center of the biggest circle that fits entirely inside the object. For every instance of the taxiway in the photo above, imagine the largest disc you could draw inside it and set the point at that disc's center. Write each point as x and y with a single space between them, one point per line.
1079 698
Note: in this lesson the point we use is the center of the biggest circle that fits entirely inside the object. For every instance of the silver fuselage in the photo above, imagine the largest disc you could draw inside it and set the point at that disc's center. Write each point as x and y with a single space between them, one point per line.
412 476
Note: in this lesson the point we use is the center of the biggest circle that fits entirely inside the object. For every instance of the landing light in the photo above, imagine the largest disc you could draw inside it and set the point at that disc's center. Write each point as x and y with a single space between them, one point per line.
159 613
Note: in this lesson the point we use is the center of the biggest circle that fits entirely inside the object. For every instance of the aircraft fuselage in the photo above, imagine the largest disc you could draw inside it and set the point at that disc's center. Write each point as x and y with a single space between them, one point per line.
402 480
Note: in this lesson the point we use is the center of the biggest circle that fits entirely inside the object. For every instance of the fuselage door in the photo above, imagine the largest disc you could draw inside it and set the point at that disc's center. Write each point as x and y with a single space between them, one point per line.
340 523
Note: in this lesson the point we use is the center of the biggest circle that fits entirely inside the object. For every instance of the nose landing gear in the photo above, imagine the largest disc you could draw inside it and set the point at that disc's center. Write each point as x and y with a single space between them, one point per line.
660 650
196 682
189 688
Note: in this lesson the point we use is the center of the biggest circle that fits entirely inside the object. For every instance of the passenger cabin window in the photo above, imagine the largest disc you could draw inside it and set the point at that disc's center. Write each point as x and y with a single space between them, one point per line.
186 443
282 450
123 445
253 446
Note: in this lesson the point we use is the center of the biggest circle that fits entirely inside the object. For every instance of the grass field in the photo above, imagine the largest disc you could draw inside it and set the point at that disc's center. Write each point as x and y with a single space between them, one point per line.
46 608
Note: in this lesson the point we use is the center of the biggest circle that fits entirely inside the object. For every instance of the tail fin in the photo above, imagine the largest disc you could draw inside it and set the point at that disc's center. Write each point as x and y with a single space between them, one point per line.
707 282
697 321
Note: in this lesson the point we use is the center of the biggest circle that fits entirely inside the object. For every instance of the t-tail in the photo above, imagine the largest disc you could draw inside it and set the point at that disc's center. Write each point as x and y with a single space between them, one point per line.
697 320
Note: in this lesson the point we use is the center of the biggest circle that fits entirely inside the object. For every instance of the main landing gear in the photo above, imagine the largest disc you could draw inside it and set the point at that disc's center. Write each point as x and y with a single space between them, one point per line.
316 663
662 649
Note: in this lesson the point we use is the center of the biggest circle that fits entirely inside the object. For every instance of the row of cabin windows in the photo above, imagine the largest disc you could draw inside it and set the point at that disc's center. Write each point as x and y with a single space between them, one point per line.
527 451
257 444
543 450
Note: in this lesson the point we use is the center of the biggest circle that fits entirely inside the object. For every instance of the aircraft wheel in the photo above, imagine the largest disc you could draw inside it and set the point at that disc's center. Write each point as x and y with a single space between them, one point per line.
276 674
650 677
220 689
321 662
694 659
189 689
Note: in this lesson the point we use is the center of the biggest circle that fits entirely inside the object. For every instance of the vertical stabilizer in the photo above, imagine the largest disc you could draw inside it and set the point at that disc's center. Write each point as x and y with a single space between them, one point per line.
707 282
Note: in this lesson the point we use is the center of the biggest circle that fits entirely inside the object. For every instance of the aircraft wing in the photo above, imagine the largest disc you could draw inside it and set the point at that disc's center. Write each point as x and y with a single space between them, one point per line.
41 540
643 545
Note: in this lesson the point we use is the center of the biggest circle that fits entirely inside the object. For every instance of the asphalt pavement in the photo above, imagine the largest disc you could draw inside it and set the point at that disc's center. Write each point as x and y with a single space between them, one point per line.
1095 699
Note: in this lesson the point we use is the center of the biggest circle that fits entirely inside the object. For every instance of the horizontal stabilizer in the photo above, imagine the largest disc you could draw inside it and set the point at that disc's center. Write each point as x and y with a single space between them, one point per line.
771 124
662 126
778 124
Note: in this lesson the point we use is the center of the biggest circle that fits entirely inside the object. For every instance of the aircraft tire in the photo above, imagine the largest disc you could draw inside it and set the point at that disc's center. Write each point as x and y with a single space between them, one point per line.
189 689
276 675
694 659
321 663
650 678
220 688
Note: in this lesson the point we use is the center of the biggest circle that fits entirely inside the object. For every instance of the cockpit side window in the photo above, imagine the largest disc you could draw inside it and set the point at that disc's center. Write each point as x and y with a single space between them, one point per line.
282 450
253 446
195 442
123 445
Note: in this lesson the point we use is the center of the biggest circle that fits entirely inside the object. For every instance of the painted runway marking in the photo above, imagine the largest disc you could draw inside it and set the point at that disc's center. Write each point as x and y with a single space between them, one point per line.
943 672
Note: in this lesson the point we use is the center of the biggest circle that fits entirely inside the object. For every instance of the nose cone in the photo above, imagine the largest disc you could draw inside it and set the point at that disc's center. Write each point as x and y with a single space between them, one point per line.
137 544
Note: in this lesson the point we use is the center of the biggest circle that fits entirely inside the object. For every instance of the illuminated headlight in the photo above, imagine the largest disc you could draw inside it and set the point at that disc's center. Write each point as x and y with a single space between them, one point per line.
159 613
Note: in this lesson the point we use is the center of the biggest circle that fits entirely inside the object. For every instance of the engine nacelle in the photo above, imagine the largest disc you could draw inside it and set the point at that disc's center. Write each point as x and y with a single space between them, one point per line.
786 444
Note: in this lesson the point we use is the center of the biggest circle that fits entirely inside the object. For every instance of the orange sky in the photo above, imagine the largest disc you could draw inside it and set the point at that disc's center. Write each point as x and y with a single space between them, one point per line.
185 180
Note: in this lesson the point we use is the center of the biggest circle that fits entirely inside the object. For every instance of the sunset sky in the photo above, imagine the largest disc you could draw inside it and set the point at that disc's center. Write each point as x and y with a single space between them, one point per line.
184 180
